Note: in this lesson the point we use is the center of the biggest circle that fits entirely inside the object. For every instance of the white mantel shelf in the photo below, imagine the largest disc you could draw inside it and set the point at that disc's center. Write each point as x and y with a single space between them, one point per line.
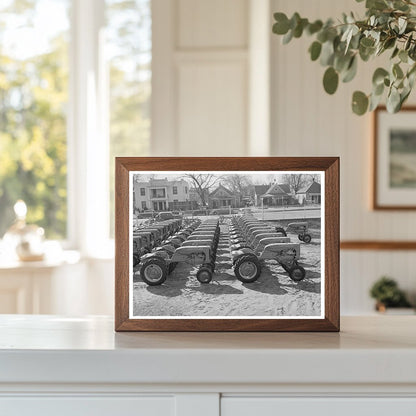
373 351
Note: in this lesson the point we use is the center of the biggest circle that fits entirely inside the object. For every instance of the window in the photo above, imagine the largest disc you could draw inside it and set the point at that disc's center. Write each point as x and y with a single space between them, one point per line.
144 205
158 193
33 109
175 190
143 191
59 134
186 189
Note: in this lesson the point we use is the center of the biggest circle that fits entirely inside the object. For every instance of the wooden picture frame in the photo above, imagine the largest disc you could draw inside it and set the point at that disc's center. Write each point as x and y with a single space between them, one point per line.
385 195
327 167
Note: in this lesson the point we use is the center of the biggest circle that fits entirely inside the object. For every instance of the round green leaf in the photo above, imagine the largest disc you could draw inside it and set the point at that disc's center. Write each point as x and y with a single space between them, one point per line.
374 102
393 101
330 80
367 42
315 50
395 52
403 56
397 71
359 103
327 54
379 75
288 37
351 71
282 26
314 27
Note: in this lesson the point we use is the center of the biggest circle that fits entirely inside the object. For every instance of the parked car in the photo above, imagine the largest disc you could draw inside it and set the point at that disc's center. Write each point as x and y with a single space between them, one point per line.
177 214
223 211
165 215
199 212
146 215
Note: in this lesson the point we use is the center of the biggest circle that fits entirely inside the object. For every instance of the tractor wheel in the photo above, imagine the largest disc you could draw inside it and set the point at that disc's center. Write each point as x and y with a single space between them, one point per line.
154 271
204 275
301 237
247 269
307 238
136 260
297 273
281 230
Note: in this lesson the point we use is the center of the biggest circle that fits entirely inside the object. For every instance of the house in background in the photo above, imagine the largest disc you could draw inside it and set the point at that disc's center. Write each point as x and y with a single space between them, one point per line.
259 190
222 197
277 194
161 195
310 194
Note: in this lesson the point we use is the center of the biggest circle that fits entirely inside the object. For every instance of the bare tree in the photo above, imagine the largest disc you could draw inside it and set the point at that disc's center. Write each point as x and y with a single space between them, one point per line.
202 183
239 184
296 181
315 177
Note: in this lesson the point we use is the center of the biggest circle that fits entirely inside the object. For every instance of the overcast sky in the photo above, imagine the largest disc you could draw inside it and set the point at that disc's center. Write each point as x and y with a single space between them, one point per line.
256 178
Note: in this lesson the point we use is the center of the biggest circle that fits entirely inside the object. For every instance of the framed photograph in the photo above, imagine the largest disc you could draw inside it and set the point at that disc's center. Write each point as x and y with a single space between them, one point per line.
394 179
227 244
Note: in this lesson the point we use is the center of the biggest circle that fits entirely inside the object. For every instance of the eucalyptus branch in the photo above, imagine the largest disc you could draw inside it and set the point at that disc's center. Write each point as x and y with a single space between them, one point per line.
389 25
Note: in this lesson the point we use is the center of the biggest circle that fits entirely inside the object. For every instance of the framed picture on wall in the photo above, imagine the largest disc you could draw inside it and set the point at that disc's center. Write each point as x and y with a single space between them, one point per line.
227 244
394 178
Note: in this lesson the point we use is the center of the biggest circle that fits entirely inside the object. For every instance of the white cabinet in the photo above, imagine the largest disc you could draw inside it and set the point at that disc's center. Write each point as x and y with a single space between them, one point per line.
88 406
79 366
270 406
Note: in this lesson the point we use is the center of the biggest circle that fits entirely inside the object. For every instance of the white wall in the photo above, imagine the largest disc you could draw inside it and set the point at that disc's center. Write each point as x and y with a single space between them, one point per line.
223 85
308 122
200 78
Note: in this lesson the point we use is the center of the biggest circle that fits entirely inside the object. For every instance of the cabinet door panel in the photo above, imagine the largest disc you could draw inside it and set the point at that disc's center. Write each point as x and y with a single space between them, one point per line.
272 406
87 406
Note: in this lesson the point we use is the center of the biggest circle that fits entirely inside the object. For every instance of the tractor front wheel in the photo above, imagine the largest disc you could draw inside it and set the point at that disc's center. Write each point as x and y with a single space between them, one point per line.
247 269
204 275
154 271
297 273
307 238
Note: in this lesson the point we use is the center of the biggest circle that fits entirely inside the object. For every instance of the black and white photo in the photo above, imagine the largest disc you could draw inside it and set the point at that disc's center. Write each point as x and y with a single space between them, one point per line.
226 244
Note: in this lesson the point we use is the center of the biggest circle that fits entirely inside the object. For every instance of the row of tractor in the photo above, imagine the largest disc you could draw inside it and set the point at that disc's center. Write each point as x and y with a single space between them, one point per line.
159 247
196 245
146 238
253 241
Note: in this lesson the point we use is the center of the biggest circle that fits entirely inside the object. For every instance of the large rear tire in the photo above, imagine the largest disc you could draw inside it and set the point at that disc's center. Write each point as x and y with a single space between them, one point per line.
154 271
247 269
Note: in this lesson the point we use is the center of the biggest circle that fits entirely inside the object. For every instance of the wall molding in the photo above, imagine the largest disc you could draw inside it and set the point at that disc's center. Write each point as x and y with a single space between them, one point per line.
377 245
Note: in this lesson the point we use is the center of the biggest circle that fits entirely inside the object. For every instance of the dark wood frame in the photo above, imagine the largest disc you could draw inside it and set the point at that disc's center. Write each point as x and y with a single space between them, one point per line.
376 205
330 165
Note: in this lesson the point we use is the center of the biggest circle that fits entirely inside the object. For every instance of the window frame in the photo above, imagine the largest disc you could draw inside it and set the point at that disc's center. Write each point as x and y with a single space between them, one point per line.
88 132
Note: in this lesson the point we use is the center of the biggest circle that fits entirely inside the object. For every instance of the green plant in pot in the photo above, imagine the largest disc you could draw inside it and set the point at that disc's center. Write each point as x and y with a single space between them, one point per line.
387 294
389 27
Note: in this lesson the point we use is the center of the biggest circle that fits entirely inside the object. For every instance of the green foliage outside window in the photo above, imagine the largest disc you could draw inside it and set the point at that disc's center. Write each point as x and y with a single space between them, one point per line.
33 100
